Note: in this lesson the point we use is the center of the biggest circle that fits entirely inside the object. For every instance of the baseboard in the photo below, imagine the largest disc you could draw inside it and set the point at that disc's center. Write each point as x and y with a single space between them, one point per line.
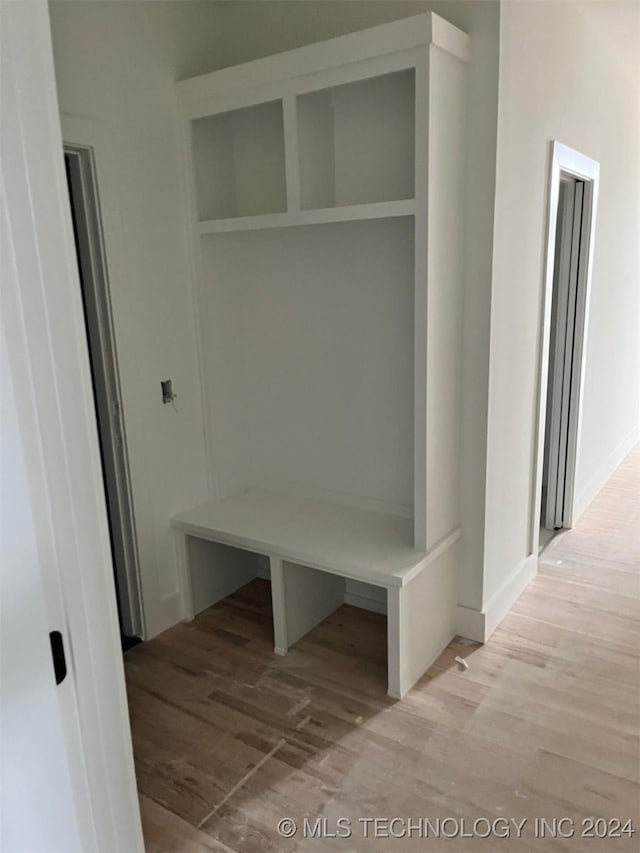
604 471
470 623
166 613
479 625
365 603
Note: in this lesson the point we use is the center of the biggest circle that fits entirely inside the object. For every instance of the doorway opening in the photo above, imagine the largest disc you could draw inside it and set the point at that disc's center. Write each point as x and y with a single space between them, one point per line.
571 220
92 268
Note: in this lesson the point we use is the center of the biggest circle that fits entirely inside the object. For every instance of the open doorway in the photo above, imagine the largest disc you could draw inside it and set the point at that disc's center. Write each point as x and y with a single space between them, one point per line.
572 203
92 268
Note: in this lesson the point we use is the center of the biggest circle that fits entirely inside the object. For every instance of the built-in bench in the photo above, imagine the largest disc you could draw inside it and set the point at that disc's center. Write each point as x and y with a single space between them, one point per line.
313 547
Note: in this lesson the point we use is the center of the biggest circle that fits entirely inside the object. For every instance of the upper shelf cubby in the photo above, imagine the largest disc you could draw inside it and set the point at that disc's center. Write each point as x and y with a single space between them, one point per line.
356 142
239 162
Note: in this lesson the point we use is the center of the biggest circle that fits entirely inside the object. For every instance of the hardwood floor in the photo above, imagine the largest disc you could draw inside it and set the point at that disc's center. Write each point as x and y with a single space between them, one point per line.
229 739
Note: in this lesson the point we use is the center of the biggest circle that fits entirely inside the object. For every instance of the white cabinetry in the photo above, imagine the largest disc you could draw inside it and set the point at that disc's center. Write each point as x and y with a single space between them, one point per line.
325 191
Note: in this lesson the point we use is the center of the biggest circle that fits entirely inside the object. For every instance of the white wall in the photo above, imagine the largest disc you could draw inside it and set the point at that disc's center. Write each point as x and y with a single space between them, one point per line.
567 72
255 28
116 63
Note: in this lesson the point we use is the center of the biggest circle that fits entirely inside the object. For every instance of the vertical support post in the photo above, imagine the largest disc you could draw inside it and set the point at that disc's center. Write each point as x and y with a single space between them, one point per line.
281 646
184 575
421 300
395 687
302 597
291 156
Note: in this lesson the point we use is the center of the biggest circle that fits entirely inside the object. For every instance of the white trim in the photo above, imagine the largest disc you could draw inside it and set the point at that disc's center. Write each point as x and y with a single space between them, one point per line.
479 625
96 287
365 602
257 91
606 468
97 136
374 43
470 623
48 354
565 161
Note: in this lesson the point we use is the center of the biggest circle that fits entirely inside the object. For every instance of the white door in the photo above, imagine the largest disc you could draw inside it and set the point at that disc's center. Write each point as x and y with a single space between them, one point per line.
37 808
66 763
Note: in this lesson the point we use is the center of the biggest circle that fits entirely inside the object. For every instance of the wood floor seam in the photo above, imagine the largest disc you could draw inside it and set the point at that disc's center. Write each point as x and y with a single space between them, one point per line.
242 781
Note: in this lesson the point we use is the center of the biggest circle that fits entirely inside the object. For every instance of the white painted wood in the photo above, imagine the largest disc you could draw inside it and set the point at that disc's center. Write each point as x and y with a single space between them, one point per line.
568 162
278 599
316 135
35 767
378 210
309 597
445 284
291 147
337 75
336 168
324 546
373 43
307 348
184 575
350 542
418 630
420 303
479 625
365 596
330 334
379 112
239 162
217 570
46 351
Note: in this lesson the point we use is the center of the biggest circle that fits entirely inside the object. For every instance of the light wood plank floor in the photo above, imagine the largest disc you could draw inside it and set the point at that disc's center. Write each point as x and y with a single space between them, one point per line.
229 739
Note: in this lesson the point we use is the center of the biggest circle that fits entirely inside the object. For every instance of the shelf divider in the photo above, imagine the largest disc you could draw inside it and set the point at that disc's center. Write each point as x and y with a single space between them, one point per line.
291 155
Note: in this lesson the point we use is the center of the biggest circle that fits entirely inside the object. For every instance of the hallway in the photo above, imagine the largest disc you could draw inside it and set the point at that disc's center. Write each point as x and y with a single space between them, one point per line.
229 739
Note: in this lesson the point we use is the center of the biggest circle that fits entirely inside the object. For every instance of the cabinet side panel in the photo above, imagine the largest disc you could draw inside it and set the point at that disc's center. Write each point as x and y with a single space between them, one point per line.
421 620
447 139
215 571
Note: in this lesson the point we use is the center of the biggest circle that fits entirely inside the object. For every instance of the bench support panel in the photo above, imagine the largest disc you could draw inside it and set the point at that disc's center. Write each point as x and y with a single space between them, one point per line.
420 621
302 598
209 572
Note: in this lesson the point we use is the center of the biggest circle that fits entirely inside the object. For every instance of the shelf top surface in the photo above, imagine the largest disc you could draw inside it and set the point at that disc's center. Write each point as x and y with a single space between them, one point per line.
313 216
369 546
393 37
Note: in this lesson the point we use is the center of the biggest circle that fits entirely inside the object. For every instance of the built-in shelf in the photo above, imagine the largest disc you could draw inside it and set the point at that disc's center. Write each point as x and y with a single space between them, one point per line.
327 210
356 141
380 210
239 162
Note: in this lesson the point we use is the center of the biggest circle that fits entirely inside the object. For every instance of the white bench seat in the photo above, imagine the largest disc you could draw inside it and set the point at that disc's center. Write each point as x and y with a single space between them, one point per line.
367 546
313 546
